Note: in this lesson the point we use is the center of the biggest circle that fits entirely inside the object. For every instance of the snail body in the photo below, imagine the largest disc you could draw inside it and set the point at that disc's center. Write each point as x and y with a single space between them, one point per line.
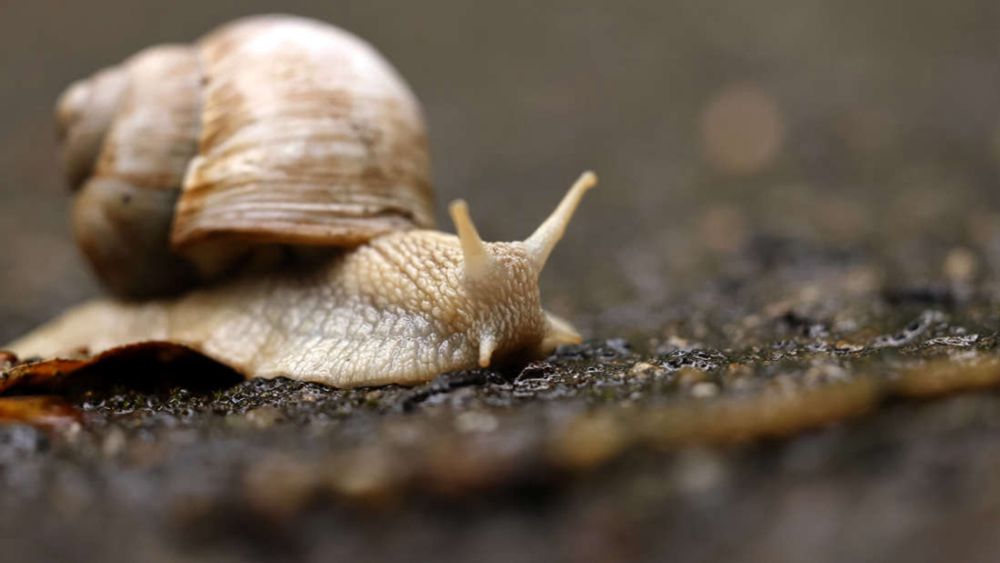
278 132
400 309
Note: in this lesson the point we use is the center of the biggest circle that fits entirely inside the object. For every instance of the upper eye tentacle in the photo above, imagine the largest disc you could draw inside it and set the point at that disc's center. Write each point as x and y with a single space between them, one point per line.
544 239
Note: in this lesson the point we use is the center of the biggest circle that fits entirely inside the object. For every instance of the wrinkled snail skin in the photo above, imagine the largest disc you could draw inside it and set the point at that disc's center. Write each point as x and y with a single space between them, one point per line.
400 309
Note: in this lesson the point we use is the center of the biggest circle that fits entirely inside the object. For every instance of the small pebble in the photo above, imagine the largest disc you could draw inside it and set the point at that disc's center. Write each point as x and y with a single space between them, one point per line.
960 265
704 390
699 471
589 440
263 417
365 474
7 359
845 346
476 422
279 486
738 370
674 343
643 370
689 376
113 443
536 370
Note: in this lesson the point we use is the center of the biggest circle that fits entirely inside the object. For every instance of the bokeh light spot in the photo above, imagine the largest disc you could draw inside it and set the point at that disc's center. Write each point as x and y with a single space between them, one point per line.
742 129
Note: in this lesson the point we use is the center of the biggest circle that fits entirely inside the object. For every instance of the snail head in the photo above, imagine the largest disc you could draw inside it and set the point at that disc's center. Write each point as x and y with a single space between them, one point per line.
501 278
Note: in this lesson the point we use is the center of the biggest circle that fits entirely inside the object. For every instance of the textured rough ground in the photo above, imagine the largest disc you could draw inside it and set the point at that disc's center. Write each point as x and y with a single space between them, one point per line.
836 423
798 223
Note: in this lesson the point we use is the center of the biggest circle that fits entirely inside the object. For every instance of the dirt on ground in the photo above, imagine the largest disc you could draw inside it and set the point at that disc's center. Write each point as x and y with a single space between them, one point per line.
787 280
839 422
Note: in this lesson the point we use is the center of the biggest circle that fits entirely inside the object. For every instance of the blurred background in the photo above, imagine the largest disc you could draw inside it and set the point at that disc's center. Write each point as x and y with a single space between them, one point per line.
717 128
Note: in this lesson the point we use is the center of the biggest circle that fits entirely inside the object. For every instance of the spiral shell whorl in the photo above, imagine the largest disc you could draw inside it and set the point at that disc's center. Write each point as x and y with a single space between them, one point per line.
122 214
83 115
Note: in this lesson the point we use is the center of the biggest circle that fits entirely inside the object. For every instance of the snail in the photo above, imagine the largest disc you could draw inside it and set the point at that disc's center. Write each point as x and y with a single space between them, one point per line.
262 197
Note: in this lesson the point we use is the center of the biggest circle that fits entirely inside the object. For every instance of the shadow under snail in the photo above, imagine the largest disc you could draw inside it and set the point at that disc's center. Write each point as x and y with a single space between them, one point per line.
197 165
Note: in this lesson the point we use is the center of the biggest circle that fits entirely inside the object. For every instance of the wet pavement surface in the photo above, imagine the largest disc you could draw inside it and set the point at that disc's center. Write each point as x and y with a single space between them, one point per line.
844 421
788 276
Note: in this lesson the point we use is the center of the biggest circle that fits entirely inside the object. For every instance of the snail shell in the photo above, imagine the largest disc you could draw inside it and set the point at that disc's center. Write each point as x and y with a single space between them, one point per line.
269 130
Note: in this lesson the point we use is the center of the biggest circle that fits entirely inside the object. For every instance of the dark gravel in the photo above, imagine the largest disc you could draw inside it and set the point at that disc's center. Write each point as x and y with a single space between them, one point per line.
836 425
